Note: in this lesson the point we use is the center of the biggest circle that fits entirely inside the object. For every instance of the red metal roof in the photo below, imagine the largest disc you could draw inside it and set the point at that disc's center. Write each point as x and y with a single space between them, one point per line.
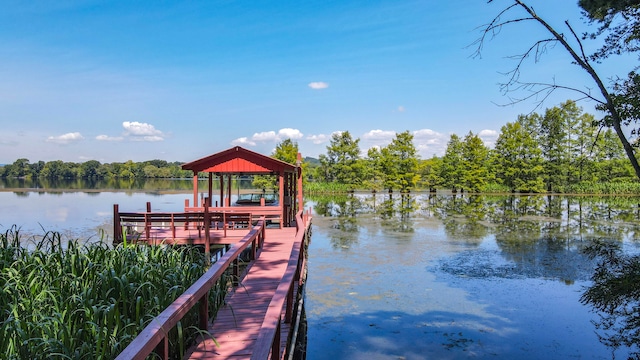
238 160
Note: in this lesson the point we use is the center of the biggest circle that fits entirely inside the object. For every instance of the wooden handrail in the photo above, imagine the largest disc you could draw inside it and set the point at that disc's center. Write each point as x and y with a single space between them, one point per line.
156 332
268 339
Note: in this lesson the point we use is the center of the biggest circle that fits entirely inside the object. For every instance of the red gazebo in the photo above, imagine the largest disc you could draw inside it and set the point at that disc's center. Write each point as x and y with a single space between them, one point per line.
240 161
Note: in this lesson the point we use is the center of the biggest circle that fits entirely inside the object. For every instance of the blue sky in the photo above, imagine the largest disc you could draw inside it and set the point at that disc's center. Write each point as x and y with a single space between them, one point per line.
121 80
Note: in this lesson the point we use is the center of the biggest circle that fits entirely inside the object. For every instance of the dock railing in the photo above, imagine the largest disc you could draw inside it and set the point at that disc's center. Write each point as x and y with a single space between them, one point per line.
268 340
153 338
139 226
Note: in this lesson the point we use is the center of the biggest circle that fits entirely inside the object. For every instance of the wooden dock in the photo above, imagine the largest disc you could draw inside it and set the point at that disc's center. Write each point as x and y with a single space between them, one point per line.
257 318
256 321
238 323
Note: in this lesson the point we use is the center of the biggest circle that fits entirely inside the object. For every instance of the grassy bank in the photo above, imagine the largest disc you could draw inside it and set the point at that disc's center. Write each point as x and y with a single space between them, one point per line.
89 300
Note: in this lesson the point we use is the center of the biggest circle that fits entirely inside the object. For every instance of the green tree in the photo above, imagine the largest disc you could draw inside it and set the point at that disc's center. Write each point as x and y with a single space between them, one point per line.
611 163
620 36
451 170
583 146
342 162
554 143
475 159
19 169
518 158
373 171
400 163
430 173
90 169
287 151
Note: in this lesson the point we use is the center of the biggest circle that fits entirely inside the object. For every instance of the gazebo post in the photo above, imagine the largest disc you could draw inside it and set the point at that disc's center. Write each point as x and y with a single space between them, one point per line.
281 196
228 199
210 189
195 189
221 179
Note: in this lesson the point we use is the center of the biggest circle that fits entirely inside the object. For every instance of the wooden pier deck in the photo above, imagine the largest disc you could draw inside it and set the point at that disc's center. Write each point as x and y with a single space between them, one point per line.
256 320
238 323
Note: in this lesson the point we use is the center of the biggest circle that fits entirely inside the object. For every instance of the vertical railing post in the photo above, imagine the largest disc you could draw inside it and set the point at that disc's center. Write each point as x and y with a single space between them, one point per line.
147 227
117 228
207 235
162 350
289 306
236 271
203 312
254 243
275 346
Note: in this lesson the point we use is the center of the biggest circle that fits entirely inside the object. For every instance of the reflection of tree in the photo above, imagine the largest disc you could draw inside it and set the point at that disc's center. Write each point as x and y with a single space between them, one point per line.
463 217
519 222
615 296
396 212
344 211
143 184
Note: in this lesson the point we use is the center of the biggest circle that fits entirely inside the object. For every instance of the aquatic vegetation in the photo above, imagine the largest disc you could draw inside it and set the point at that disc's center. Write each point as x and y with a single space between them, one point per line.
72 300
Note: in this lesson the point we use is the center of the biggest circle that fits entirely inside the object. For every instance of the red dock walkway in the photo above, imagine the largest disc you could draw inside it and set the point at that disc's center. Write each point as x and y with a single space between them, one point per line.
238 323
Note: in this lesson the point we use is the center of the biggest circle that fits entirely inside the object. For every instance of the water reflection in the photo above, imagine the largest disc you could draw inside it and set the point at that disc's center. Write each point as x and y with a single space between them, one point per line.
444 276
537 236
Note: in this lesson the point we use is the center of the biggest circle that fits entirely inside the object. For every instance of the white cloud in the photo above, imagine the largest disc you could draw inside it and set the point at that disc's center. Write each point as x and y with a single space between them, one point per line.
66 138
489 137
488 133
265 136
147 138
379 135
243 141
400 108
424 138
288 133
318 139
318 85
272 136
109 138
138 131
429 142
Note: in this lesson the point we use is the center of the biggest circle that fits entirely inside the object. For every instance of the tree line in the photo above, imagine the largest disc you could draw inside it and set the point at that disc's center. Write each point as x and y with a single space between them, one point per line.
560 150
93 169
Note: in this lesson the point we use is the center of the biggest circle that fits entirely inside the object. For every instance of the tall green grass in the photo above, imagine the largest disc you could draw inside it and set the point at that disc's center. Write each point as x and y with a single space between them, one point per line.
327 188
613 188
72 301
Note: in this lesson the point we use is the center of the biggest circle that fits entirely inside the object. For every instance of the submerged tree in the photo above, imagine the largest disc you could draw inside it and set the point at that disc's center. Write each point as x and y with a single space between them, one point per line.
621 100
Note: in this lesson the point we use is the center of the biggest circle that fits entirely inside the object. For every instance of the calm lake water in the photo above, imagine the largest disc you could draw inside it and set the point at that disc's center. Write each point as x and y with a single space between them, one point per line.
437 277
